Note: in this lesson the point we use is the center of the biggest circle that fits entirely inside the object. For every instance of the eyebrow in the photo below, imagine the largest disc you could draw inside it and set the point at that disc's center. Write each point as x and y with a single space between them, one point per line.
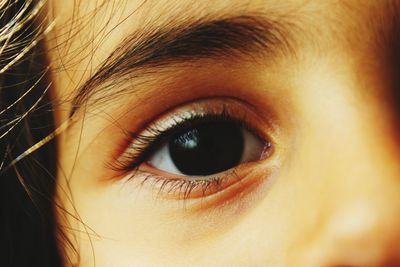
170 44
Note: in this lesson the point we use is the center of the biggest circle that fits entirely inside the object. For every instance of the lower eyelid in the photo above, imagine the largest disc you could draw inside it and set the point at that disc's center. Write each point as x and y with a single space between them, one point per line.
166 186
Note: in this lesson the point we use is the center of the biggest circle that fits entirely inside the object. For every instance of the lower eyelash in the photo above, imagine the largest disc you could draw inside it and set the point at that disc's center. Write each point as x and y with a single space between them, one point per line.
181 188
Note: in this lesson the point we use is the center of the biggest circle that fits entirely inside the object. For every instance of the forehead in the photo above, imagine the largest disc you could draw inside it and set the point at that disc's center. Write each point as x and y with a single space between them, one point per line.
88 31
106 22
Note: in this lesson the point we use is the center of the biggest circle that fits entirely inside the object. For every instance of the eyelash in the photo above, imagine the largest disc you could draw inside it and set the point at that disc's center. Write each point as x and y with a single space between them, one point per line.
182 189
143 145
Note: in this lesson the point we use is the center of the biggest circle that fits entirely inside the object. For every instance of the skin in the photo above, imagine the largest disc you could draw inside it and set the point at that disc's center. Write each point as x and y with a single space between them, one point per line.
328 195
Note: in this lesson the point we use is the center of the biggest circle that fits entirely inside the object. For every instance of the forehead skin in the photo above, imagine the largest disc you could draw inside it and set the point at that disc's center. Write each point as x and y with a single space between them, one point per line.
87 32
334 43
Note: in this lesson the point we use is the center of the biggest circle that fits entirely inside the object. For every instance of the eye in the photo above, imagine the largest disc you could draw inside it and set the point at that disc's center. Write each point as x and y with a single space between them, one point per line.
207 148
198 149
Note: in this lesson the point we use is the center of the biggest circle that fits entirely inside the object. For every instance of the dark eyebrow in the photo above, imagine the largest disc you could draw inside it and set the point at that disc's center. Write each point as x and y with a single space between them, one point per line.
201 39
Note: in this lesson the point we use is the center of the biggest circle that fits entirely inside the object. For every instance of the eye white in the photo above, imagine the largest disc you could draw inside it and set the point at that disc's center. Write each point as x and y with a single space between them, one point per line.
162 160
252 150
253 147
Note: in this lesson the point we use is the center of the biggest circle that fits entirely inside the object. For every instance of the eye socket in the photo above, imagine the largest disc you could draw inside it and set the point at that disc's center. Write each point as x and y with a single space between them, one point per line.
207 148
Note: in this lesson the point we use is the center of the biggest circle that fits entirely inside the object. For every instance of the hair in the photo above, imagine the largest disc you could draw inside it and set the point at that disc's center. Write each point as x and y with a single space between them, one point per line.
28 226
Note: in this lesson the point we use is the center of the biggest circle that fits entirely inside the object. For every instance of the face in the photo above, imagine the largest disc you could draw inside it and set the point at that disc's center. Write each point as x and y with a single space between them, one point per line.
228 133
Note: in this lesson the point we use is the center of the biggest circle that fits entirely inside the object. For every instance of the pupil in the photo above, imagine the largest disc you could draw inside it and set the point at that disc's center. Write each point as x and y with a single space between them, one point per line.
208 148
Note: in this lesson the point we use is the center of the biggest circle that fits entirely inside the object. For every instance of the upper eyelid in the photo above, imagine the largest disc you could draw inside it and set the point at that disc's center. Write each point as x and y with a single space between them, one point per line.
160 135
236 110
267 115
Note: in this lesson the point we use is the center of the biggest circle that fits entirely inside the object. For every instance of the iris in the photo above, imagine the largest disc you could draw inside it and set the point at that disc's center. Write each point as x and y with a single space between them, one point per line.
208 148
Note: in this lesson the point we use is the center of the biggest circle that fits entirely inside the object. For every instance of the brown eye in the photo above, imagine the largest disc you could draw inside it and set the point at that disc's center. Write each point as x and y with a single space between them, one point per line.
207 148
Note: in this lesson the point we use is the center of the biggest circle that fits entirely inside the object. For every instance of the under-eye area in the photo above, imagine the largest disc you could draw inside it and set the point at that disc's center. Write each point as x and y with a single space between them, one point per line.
197 149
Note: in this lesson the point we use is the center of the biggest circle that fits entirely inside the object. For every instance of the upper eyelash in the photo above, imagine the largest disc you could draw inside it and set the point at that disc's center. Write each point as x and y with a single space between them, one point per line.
144 145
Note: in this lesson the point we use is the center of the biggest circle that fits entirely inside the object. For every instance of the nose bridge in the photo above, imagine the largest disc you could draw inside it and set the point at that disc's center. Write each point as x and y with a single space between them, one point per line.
361 223
361 166
350 138
360 235
360 227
